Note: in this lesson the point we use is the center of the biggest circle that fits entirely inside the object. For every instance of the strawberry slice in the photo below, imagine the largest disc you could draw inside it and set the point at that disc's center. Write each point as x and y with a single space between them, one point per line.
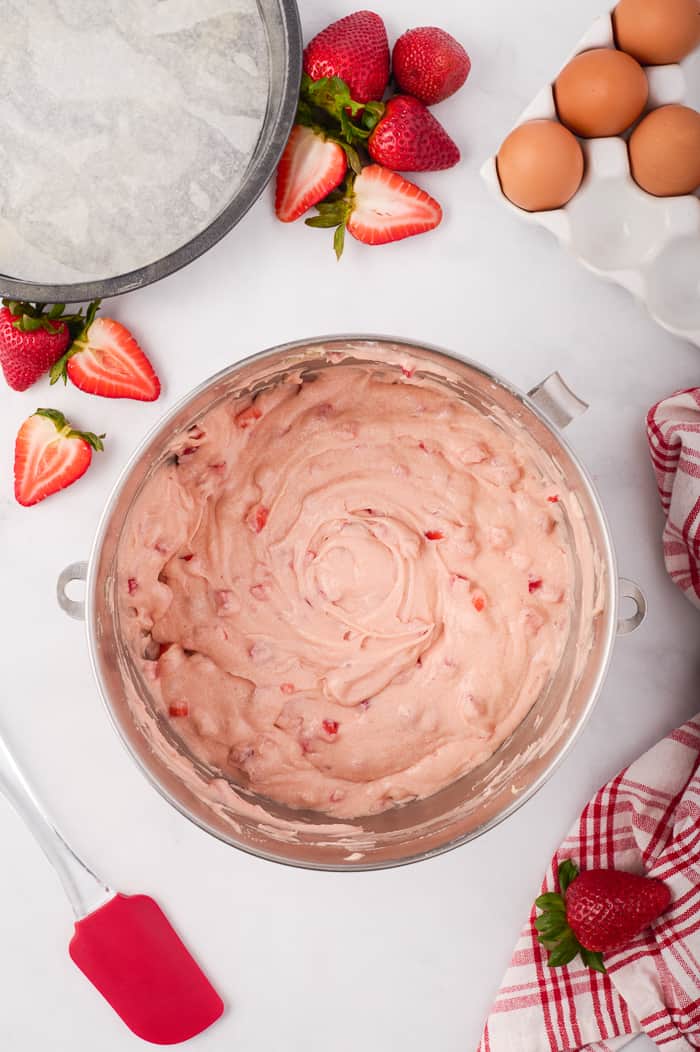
50 455
377 207
310 168
106 360
388 208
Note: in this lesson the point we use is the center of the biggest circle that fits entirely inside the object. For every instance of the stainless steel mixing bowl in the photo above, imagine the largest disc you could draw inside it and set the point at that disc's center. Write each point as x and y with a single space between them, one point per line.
481 798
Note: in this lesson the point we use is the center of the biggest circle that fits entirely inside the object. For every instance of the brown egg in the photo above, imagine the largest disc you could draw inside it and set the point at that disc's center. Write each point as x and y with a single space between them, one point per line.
600 93
656 32
540 166
665 151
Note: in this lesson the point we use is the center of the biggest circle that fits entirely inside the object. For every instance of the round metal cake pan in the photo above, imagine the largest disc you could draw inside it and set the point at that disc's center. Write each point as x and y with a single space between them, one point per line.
284 41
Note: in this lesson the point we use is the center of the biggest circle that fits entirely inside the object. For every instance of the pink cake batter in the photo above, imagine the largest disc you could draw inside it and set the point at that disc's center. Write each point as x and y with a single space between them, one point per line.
346 594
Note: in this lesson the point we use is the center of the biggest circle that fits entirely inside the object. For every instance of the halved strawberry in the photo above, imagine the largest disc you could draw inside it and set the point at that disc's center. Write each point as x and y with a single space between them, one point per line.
377 207
106 360
388 208
311 166
50 455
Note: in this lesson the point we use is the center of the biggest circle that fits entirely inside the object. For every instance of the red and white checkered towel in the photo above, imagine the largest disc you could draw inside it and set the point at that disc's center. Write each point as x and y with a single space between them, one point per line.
647 820
673 427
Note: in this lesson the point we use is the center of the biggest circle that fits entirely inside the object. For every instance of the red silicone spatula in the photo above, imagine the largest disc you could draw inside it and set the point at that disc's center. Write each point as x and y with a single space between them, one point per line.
124 944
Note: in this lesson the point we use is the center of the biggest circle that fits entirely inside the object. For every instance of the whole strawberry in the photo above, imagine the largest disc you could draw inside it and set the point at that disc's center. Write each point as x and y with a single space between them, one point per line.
356 49
598 911
409 139
429 64
31 341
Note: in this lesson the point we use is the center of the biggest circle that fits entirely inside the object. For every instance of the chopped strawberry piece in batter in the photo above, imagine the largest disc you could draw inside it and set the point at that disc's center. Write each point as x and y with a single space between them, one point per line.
287 688
331 727
180 709
223 598
478 602
248 416
434 535
533 584
132 585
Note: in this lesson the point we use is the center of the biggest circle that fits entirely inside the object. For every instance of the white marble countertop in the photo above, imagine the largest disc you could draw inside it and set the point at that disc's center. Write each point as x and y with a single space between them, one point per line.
407 958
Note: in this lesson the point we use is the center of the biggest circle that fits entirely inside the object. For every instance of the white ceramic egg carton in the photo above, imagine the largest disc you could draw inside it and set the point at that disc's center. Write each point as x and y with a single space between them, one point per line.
650 245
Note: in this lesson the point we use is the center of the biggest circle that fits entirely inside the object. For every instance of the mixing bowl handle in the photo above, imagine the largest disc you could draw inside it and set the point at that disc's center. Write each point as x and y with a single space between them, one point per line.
630 590
557 401
74 607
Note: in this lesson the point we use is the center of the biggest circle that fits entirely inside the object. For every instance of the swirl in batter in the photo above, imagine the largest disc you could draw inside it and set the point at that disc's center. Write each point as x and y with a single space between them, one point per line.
347 593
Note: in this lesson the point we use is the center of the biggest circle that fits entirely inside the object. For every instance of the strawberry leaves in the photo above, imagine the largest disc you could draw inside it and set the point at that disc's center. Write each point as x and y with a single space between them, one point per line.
564 951
62 426
329 103
310 117
592 959
30 317
327 107
335 211
59 371
552 926
568 871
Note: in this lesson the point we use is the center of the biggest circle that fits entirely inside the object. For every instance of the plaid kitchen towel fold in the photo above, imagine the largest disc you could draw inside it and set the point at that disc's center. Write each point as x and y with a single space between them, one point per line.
647 820
673 428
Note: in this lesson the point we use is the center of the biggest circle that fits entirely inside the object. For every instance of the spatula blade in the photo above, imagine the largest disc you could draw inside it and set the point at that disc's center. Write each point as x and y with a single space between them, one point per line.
129 950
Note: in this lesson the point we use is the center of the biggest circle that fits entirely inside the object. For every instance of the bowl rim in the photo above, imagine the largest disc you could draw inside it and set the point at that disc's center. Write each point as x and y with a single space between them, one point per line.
273 137
610 605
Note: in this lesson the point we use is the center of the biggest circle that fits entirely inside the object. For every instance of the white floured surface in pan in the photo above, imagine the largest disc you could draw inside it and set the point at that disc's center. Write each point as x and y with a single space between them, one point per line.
127 126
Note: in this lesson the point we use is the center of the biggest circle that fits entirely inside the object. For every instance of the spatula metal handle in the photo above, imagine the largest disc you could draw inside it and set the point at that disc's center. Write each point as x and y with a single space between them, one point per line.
84 890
